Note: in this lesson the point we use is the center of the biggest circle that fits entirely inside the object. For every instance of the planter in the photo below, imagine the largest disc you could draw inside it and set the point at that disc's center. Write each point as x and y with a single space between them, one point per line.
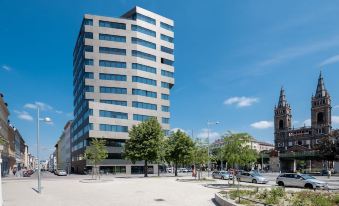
223 201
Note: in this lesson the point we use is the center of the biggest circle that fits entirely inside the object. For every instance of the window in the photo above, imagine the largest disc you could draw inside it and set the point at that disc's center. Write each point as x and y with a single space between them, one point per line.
165 120
166 132
143 43
165 85
167 73
89 75
116 64
115 102
144 105
88 22
165 96
143 30
88 35
144 80
144 68
114 77
143 18
139 117
144 93
167 50
110 114
113 128
167 61
89 62
144 55
164 108
166 26
88 48
167 38
89 88
113 90
109 37
114 25
108 50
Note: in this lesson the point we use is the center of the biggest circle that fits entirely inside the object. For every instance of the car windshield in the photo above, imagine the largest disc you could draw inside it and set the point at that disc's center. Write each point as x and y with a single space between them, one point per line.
256 174
307 177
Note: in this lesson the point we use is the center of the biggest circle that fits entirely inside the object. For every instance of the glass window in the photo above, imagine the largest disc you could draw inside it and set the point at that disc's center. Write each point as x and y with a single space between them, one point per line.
140 117
164 108
108 50
167 38
89 62
144 93
144 105
165 85
115 64
143 18
89 75
88 48
144 80
110 114
167 50
88 22
167 73
115 102
144 68
113 90
113 128
114 25
114 77
165 96
88 35
166 26
143 30
109 37
144 55
89 88
143 43
165 120
167 61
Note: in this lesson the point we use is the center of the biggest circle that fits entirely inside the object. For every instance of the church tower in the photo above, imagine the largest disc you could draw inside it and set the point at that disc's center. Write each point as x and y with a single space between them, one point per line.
321 109
282 121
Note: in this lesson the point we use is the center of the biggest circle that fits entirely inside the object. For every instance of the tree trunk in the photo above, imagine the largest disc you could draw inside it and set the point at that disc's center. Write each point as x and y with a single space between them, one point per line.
158 171
234 176
176 168
145 169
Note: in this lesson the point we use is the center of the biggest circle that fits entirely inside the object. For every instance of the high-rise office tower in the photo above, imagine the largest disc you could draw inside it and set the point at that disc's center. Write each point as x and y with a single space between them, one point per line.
123 74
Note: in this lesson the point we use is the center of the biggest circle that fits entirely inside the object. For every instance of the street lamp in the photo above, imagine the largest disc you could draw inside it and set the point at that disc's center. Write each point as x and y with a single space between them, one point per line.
47 120
208 144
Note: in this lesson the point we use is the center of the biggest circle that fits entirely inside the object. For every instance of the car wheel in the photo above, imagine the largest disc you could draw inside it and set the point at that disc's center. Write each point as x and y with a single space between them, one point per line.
309 186
254 181
222 178
280 183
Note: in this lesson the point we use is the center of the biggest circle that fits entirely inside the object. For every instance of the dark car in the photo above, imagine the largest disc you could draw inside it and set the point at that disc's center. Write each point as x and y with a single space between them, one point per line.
26 173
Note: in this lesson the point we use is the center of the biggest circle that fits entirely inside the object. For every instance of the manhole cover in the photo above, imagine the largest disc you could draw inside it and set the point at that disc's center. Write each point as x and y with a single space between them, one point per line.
159 200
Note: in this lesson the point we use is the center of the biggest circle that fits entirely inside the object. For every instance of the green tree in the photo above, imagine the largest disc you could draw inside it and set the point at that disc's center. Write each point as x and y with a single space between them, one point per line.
199 157
179 149
145 143
237 150
328 149
95 154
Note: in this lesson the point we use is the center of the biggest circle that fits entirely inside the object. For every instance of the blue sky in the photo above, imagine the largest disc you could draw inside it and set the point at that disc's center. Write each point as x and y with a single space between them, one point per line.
232 57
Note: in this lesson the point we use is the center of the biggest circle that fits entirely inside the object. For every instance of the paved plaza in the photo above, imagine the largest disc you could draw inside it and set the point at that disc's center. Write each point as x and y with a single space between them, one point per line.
120 190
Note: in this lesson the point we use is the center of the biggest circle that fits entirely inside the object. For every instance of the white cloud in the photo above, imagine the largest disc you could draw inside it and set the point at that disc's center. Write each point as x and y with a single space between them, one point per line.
241 101
7 68
42 106
212 135
307 122
331 60
59 112
336 107
23 115
335 119
176 129
262 124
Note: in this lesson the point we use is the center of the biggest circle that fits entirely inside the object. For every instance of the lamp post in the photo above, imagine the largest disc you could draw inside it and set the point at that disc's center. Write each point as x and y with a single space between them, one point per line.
208 145
47 120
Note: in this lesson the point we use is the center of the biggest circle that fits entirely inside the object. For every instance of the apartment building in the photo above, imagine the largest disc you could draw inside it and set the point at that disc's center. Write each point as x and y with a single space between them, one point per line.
123 74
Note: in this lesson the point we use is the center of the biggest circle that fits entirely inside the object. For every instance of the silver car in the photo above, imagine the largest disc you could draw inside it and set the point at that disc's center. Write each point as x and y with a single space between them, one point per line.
300 180
251 177
222 175
61 173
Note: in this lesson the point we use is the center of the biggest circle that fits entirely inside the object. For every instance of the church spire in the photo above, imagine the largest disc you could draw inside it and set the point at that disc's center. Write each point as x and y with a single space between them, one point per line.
321 91
282 98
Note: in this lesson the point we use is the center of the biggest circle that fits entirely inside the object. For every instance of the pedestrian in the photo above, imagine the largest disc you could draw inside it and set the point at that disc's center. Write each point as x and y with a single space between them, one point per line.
14 171
329 174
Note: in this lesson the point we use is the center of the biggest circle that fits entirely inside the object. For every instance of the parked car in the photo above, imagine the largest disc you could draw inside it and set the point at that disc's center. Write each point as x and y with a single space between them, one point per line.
61 173
169 169
252 177
184 170
26 174
300 180
224 175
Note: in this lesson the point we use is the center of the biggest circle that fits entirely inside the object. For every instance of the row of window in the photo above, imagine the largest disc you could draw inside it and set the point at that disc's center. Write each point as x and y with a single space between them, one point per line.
167 73
134 17
108 50
140 117
144 105
113 128
144 80
144 55
114 64
115 102
114 77
145 93
143 30
110 114
117 64
113 90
